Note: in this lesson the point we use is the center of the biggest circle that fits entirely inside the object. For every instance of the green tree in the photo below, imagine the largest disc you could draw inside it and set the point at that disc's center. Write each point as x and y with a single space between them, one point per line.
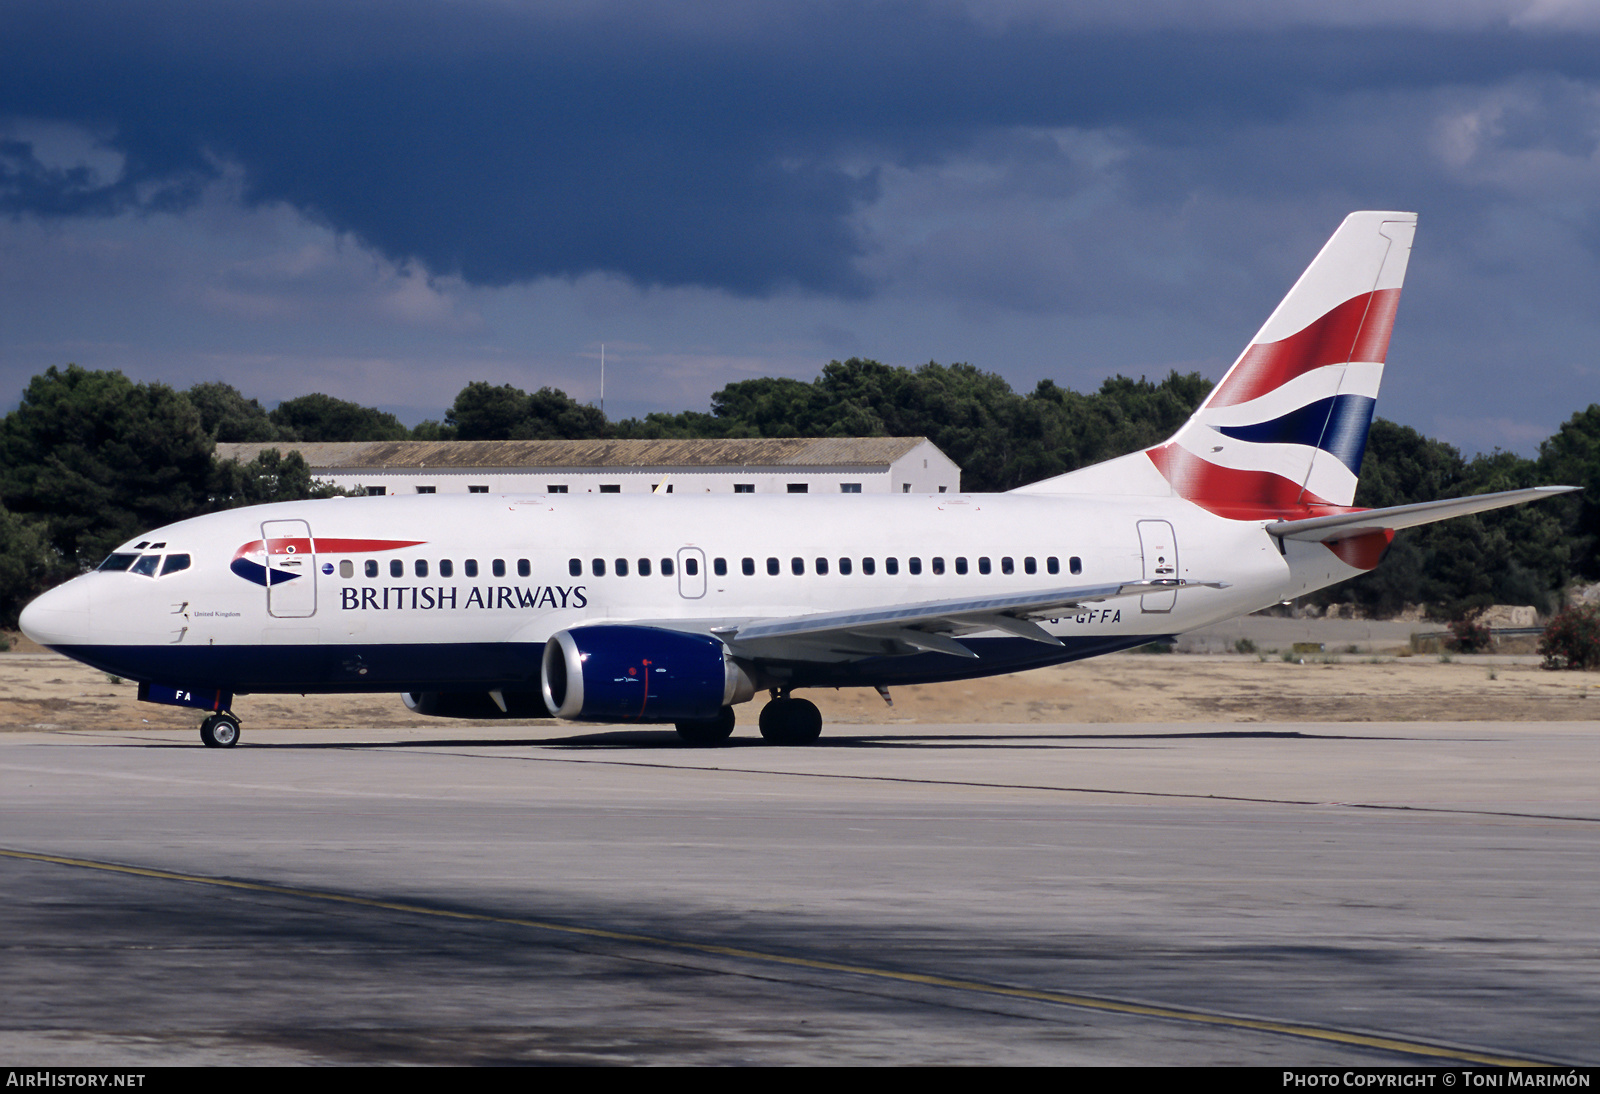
99 458
271 476
483 412
1572 458
229 416
319 417
27 564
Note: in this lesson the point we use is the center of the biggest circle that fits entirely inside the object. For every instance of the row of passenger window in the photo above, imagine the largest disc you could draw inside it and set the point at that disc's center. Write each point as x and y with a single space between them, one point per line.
821 565
644 567
447 567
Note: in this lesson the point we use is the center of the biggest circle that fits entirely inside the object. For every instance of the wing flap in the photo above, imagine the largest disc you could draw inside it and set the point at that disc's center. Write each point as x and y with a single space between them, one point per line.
931 625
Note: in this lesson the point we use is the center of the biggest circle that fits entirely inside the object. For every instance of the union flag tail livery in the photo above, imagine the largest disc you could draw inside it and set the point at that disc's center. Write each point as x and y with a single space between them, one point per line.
675 608
1283 434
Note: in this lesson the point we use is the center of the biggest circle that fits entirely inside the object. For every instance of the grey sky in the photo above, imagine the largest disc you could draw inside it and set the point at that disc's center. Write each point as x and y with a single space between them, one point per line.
387 201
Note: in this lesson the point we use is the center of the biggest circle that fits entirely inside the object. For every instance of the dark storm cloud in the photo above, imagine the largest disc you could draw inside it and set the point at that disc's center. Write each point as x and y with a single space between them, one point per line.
506 145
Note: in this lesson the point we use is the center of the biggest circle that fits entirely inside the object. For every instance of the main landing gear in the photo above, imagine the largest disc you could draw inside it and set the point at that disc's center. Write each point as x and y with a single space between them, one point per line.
786 721
220 730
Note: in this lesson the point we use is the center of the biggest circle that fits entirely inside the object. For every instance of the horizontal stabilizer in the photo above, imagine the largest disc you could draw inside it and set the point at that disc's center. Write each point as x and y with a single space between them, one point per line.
1349 525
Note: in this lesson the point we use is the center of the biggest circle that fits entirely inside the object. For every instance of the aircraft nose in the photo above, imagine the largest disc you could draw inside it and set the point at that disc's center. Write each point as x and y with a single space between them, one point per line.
60 617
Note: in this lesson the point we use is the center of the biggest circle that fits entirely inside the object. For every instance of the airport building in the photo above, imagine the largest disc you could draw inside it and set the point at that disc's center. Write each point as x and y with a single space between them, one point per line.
793 465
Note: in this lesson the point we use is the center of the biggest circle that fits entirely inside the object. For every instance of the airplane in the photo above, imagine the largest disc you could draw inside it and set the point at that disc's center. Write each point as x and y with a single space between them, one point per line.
674 608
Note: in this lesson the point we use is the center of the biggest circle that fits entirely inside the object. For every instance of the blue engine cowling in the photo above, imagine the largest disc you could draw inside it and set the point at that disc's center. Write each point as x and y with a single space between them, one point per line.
639 674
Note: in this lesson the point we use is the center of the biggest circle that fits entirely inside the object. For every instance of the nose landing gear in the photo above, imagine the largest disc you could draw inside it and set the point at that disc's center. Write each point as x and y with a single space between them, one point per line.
220 731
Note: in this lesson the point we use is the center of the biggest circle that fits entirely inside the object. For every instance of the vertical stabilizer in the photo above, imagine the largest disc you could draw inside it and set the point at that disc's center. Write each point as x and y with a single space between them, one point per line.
1285 430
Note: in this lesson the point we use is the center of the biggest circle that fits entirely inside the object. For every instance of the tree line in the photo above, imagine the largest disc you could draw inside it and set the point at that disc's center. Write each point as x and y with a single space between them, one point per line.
89 459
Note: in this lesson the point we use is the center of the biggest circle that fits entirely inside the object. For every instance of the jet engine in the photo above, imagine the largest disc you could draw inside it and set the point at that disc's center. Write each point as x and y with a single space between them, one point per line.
618 673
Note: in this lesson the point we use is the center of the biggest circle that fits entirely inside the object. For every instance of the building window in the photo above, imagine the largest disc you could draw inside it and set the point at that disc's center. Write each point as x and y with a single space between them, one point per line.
797 488
556 488
905 488
849 488
942 489
744 488
477 489
377 491
426 490
611 488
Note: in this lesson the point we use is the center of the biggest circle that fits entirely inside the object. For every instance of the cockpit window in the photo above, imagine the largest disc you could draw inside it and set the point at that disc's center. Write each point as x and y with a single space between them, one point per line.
146 565
174 563
117 562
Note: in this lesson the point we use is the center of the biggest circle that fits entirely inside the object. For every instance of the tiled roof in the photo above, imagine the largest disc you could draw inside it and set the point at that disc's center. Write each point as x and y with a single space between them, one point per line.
462 455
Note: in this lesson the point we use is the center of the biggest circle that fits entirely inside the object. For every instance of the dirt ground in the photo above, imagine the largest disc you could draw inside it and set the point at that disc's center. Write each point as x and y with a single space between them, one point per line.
45 691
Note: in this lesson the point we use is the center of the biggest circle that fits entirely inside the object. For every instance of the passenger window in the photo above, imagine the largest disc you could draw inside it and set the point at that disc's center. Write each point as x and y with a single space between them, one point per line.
844 567
597 567
471 567
397 568
666 567
822 566
938 565
1075 564
891 565
719 566
983 564
498 566
372 567
575 567
1052 564
691 566
146 565
446 568
747 566
868 566
914 565
1029 566
347 568
1007 566
961 564
422 567
644 567
772 567
797 566
523 569
622 567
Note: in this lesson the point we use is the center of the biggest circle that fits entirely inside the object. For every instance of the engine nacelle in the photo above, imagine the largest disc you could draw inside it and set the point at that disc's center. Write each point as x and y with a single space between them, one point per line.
639 674
476 704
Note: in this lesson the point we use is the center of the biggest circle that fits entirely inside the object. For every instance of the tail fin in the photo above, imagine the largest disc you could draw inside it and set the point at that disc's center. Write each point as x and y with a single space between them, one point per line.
1285 430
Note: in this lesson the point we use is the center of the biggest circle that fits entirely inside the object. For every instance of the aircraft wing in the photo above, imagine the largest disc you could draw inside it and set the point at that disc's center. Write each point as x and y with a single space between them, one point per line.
929 625
1348 525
